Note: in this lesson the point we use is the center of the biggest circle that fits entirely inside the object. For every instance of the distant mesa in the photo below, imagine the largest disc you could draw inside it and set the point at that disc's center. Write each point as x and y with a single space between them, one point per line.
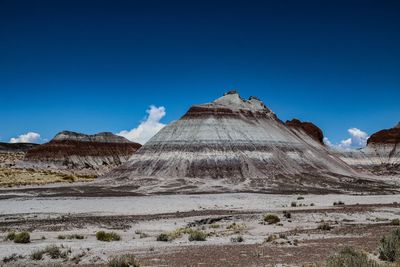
95 154
233 144
103 137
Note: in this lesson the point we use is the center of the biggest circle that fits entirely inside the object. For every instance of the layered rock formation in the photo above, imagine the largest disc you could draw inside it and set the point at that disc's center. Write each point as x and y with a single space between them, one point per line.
232 144
94 154
381 156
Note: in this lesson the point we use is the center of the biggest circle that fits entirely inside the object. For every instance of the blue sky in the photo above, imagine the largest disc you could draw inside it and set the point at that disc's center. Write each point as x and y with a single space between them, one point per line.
93 66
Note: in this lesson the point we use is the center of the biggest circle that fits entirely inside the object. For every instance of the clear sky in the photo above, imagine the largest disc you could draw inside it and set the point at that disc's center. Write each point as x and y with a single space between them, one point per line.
93 66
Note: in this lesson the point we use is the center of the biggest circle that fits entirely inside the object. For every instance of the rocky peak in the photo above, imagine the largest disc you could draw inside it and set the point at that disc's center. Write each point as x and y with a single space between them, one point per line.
231 92
234 101
233 105
397 126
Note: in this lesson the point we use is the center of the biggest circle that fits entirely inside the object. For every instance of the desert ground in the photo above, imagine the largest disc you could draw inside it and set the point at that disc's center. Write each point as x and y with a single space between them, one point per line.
157 229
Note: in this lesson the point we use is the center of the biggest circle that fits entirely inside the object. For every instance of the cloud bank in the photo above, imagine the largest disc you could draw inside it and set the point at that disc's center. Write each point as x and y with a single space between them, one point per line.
357 139
30 137
148 127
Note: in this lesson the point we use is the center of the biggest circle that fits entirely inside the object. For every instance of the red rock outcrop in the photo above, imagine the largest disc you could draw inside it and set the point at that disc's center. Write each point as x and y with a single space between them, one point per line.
310 128
387 136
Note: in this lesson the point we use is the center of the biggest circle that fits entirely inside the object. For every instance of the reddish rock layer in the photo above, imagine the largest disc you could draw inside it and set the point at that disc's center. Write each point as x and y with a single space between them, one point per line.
310 128
388 136
65 148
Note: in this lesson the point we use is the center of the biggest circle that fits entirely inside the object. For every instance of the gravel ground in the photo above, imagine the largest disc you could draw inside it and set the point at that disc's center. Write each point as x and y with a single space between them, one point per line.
361 222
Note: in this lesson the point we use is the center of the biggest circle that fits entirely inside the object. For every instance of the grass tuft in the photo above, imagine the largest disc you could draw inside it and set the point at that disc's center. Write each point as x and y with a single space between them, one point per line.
395 222
197 235
349 257
73 236
389 248
37 255
23 238
126 260
164 237
53 251
107 236
271 218
10 236
169 236
236 227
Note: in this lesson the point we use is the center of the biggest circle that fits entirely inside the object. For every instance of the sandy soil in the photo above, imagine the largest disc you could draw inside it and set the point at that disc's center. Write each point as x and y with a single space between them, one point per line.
361 222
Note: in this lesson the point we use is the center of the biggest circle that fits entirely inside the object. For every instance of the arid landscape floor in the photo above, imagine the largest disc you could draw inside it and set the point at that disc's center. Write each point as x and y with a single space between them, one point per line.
11 175
234 227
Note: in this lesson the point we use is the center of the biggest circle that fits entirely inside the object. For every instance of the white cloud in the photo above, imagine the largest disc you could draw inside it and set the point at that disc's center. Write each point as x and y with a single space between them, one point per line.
148 127
30 137
357 139
328 142
346 143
